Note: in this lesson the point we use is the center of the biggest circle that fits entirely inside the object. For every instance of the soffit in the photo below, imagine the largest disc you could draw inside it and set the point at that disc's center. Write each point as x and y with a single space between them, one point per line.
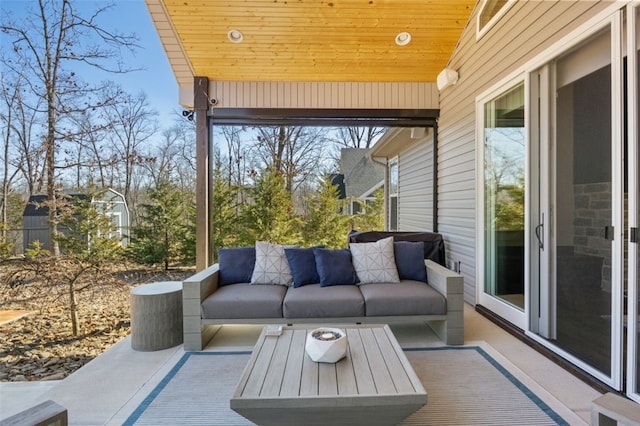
303 40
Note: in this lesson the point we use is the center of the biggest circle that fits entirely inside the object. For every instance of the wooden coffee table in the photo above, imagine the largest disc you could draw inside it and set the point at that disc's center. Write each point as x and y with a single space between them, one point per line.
373 385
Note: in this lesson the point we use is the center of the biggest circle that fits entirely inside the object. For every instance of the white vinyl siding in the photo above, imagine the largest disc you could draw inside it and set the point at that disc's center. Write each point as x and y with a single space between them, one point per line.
415 209
527 29
230 94
392 218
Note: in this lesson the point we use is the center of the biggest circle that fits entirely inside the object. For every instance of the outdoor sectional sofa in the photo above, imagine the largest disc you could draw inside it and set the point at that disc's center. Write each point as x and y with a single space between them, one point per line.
422 290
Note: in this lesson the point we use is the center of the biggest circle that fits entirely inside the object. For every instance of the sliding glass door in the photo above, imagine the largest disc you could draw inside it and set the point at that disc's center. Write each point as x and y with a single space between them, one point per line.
632 294
583 198
575 305
504 157
559 200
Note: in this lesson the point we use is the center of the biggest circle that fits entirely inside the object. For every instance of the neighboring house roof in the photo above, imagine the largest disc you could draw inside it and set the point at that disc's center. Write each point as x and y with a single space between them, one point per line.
399 138
361 173
35 206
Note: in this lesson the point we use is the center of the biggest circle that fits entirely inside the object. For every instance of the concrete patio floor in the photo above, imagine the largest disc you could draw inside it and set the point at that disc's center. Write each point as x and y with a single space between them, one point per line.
109 388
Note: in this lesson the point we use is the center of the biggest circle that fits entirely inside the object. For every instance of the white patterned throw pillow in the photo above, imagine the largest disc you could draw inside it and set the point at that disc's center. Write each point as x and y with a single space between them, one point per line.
271 266
375 262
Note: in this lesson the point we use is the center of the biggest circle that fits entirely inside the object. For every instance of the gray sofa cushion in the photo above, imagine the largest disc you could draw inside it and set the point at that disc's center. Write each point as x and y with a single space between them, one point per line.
404 298
314 301
244 301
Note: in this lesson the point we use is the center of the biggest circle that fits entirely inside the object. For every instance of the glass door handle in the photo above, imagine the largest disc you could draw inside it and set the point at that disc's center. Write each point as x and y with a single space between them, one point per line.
539 236
609 233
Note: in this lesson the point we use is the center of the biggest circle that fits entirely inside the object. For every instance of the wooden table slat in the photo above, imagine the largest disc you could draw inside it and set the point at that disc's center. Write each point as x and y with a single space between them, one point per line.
293 371
327 380
273 379
309 379
361 368
260 367
346 377
382 378
396 369
408 368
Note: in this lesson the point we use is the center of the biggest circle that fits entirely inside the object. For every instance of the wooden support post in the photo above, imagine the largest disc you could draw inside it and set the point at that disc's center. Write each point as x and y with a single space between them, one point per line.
203 172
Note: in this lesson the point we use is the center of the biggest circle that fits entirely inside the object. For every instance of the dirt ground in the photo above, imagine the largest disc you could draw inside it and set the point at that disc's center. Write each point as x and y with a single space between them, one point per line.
41 346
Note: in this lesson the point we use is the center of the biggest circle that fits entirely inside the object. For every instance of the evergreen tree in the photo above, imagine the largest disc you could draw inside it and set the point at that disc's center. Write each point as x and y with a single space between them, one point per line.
165 232
10 240
325 224
509 208
225 226
371 214
187 250
269 216
89 230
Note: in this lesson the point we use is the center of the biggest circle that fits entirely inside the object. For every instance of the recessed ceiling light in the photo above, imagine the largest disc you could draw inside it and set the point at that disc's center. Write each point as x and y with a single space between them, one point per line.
403 38
235 36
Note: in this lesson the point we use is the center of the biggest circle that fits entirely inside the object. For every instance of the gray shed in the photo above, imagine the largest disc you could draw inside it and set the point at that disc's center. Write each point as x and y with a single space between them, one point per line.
36 217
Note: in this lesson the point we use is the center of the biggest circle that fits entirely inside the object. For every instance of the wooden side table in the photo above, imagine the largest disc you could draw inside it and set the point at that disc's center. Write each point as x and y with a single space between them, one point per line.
156 316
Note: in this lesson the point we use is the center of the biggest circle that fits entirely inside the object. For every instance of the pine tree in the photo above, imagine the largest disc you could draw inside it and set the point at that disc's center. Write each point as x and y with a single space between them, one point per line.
225 226
270 215
325 224
165 231
371 214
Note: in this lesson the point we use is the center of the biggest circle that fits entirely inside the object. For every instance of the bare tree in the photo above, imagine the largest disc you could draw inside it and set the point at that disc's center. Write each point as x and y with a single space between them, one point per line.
293 151
133 123
24 151
10 98
236 160
353 137
93 160
174 158
357 137
185 152
48 47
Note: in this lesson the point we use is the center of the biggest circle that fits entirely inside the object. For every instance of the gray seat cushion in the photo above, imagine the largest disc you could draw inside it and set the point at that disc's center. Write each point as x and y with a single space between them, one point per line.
244 301
404 298
313 301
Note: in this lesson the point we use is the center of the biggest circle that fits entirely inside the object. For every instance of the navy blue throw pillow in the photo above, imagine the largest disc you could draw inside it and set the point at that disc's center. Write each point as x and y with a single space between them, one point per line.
236 264
410 261
302 263
335 267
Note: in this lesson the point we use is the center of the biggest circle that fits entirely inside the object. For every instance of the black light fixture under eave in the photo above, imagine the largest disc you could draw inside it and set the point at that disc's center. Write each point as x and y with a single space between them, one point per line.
188 114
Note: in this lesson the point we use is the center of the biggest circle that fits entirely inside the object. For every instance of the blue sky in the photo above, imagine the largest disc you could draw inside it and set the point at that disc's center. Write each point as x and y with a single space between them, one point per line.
130 16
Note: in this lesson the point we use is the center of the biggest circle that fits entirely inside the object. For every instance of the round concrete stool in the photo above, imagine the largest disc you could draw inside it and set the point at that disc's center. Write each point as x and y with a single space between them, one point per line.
156 316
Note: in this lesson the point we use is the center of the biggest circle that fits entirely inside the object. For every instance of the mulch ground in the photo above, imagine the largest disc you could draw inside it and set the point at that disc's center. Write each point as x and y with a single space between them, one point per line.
41 345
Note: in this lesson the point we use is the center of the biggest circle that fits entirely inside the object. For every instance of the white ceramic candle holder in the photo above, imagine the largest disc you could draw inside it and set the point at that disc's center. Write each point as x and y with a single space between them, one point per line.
326 344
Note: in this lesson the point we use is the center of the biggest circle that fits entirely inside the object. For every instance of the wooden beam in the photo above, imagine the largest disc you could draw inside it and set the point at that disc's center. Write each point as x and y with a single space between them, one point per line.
203 172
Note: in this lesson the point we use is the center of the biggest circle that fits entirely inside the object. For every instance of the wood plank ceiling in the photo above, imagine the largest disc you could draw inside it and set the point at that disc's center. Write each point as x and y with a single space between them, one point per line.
311 40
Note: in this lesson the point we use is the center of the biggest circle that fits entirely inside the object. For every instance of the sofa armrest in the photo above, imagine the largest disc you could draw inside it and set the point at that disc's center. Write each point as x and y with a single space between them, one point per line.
194 290
444 280
451 285
203 283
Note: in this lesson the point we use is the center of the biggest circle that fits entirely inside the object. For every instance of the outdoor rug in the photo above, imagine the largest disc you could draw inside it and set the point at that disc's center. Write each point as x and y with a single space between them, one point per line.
465 386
